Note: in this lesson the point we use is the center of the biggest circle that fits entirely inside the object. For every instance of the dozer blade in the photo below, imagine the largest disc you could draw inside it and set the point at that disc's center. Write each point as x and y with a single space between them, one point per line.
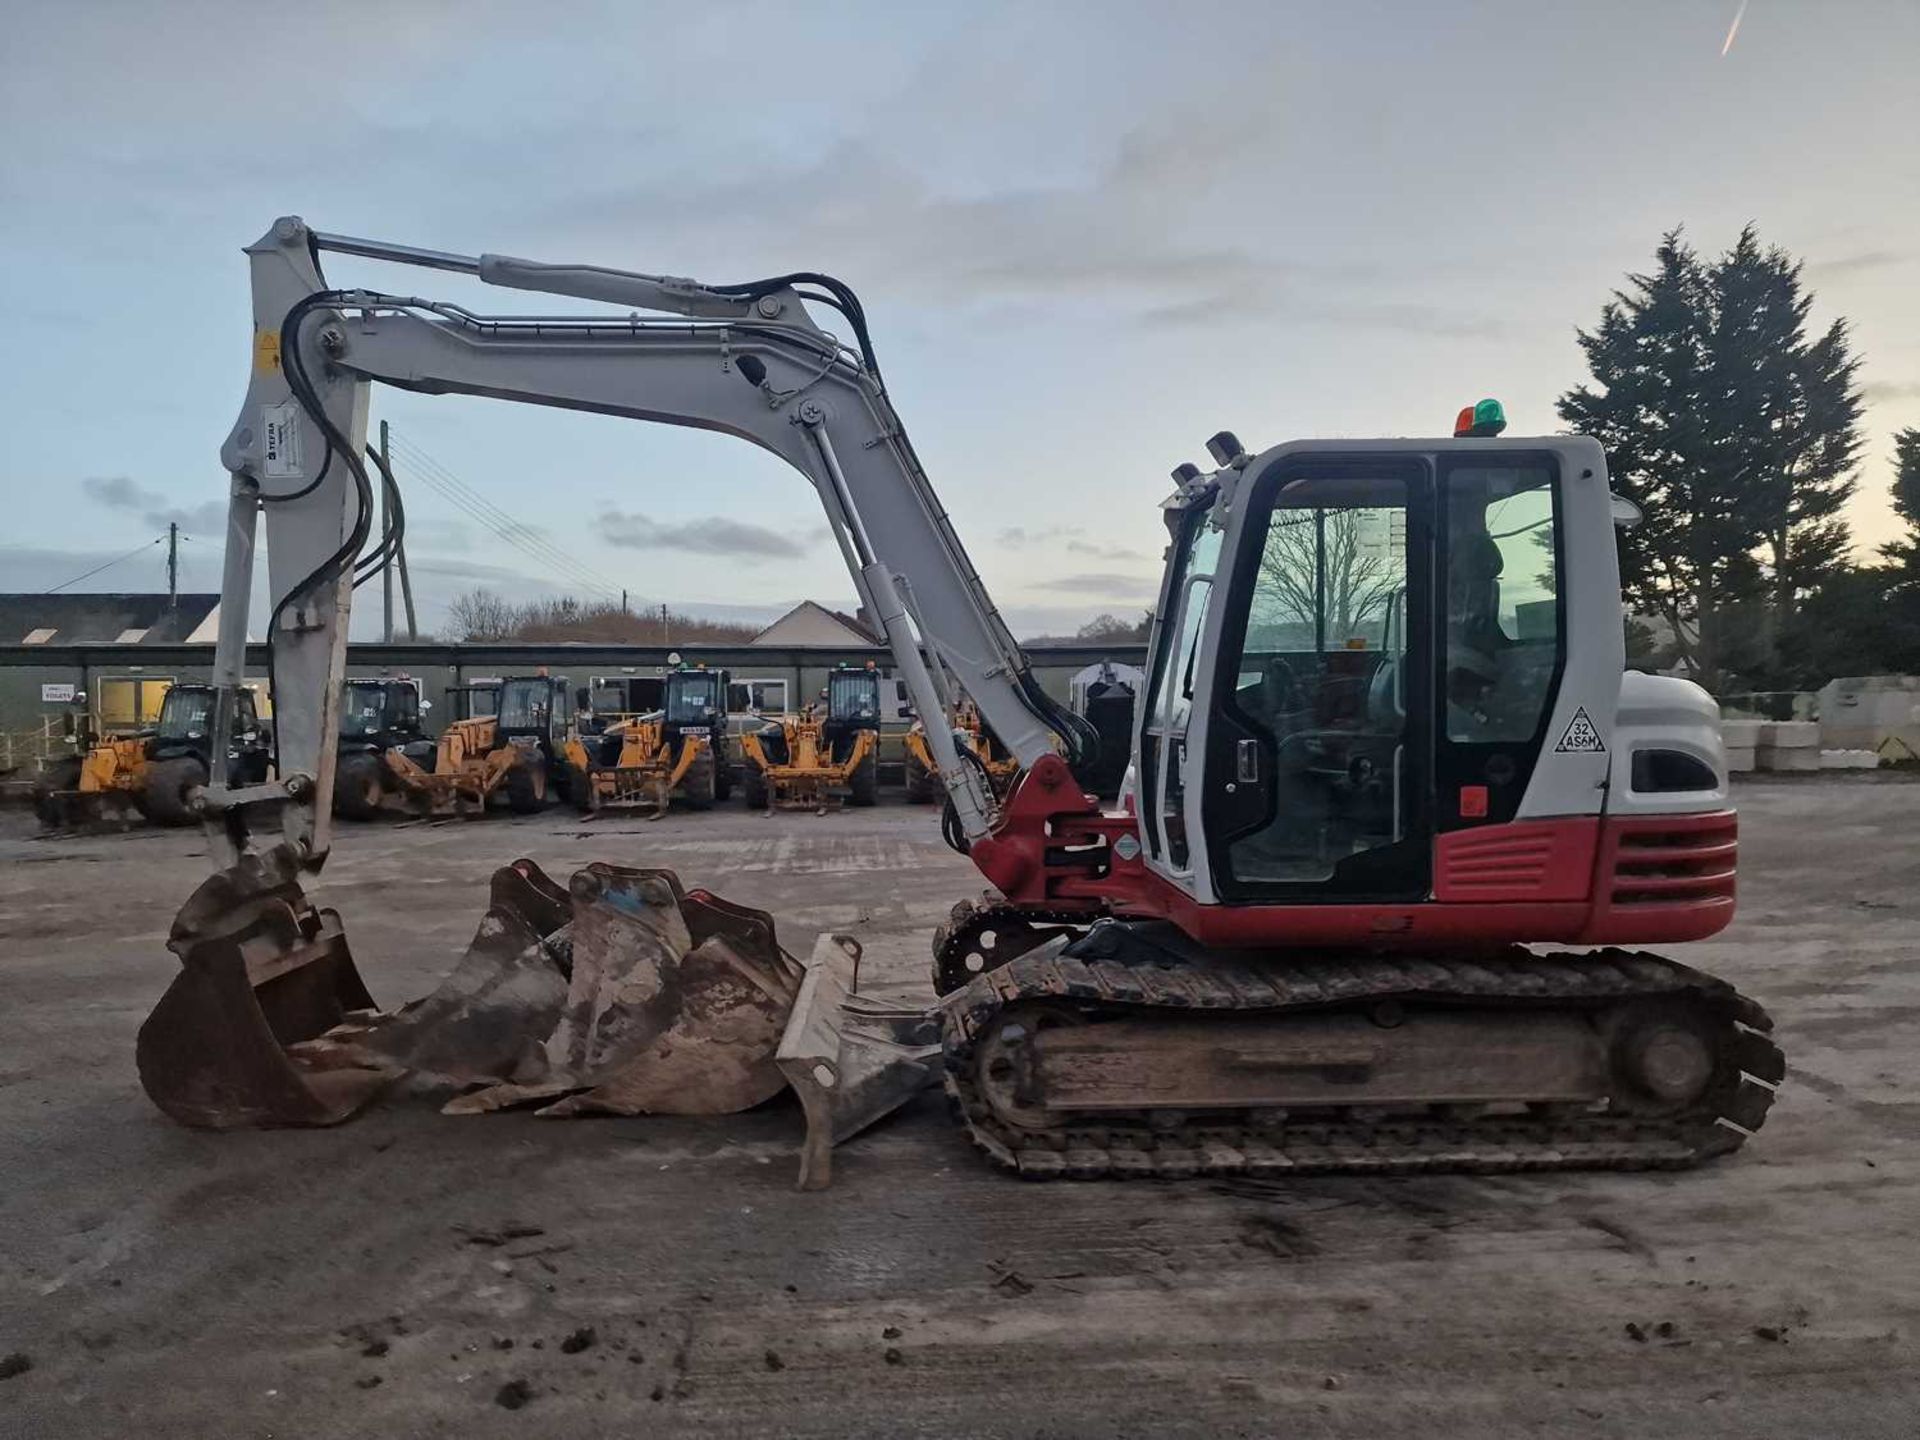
484 1021
676 1004
850 1059
261 970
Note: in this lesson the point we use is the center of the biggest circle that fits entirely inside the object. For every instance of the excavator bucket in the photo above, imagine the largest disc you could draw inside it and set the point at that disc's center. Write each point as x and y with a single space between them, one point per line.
261 971
676 1004
484 1020
623 993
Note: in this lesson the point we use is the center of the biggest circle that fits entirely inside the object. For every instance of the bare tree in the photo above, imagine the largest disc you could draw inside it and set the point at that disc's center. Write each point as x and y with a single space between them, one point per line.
1110 629
480 615
1359 572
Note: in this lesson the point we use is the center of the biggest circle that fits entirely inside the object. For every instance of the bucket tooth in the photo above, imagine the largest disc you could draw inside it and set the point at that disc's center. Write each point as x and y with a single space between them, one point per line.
850 1059
261 972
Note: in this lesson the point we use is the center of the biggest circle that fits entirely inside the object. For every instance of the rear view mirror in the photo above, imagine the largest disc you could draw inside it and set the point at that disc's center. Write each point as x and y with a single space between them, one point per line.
426 704
1626 514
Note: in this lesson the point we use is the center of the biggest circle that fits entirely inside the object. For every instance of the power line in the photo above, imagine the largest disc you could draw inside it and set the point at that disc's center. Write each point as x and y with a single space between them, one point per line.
520 536
108 566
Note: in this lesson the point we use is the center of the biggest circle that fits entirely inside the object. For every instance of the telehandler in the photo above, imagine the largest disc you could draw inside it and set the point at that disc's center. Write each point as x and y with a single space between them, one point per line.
815 760
977 748
642 762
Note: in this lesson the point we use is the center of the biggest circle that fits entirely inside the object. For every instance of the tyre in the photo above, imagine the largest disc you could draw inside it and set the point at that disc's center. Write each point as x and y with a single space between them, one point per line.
580 790
722 774
527 787
920 782
63 776
697 785
170 787
357 787
756 787
863 786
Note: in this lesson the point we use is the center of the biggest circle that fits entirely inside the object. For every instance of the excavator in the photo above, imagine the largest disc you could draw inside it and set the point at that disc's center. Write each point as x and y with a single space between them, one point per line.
1400 831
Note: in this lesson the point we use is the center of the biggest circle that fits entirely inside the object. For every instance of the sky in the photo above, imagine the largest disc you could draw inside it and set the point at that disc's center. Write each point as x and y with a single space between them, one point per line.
1087 236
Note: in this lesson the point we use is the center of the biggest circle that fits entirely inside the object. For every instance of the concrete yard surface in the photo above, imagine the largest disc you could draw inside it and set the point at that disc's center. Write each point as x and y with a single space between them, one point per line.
409 1274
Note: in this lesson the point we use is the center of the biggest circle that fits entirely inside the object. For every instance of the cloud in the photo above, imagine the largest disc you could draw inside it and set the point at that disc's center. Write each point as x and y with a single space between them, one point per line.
1891 390
1132 231
708 535
117 492
1101 583
1065 537
1865 260
1018 537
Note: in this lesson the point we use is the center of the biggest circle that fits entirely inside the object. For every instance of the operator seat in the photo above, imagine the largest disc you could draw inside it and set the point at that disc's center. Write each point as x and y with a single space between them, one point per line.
1475 640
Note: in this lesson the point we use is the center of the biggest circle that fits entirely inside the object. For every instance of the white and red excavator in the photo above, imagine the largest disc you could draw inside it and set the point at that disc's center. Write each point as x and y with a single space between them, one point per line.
1386 758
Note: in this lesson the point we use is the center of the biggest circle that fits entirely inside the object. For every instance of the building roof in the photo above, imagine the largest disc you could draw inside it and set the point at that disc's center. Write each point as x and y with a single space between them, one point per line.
125 619
810 615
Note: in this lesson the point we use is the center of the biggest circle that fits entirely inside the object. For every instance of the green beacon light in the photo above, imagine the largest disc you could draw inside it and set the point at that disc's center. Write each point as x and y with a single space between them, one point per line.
1477 422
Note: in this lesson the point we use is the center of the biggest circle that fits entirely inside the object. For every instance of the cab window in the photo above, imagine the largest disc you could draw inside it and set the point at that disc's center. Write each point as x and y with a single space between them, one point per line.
1503 622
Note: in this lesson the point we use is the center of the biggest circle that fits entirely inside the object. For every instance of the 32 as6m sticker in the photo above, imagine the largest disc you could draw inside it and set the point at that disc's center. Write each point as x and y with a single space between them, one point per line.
1581 737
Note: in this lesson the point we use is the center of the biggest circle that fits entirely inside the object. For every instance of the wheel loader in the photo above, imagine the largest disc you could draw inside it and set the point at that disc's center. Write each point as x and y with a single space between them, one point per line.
642 763
1403 834
977 747
816 760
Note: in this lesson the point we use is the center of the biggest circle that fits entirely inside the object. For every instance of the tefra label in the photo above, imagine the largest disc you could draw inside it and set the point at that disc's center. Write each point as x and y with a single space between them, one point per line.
280 432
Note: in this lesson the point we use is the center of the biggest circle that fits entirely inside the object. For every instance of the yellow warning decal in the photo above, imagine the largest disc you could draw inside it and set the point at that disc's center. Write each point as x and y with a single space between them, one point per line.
266 351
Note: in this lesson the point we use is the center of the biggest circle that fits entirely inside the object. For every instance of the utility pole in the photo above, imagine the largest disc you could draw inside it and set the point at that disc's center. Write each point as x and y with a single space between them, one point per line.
623 600
664 639
386 521
173 565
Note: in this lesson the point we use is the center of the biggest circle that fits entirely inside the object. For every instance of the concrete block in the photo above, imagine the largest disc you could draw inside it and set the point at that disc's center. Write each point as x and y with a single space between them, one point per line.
1740 734
1797 761
1789 735
1739 760
1849 760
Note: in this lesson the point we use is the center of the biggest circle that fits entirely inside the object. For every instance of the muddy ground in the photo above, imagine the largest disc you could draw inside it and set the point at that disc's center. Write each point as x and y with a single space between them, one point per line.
166 1283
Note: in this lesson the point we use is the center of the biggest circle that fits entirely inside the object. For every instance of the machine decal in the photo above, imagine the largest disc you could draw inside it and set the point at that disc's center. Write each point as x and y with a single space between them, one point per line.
1581 737
280 438
266 351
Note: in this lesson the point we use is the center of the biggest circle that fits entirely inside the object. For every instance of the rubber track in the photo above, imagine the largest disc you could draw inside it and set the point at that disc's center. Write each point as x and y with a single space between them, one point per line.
1734 1105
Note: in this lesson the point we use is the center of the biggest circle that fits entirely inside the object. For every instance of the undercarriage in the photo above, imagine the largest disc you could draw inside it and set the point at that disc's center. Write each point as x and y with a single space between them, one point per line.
1124 1051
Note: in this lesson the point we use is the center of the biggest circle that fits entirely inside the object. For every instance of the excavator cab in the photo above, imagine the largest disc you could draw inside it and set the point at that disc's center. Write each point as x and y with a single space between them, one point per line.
1350 724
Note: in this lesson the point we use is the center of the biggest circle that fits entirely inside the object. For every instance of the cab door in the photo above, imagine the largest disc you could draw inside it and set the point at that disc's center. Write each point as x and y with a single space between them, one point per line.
1319 746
